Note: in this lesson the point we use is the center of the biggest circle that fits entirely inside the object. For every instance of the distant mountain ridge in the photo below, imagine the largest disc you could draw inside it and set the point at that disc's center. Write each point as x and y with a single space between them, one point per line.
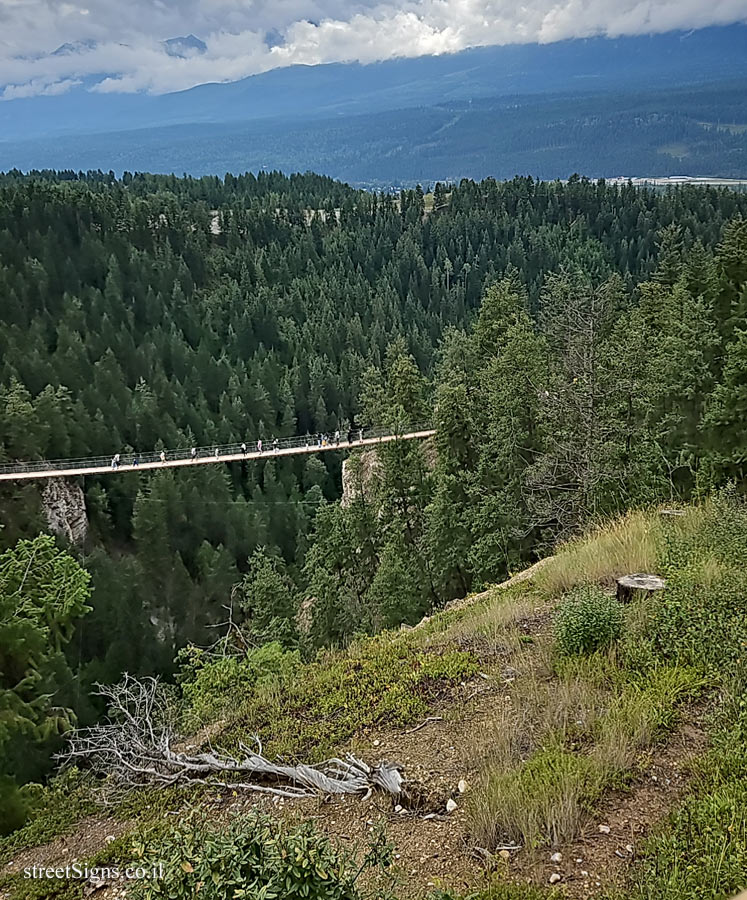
308 92
185 46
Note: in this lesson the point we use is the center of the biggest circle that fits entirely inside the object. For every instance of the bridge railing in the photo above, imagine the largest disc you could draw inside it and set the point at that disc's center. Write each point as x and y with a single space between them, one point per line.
132 458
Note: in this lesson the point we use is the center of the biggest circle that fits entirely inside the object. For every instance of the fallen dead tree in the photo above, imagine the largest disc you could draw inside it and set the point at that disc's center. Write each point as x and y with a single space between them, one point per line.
134 748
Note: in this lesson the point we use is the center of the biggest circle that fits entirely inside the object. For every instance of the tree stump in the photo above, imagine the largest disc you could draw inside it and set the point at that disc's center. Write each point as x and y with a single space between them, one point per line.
628 585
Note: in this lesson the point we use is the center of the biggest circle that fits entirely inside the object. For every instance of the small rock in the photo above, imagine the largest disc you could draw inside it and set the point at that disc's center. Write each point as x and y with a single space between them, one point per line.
462 786
579 860
629 848
556 857
554 878
584 873
376 742
450 805
604 829
110 838
398 808
504 854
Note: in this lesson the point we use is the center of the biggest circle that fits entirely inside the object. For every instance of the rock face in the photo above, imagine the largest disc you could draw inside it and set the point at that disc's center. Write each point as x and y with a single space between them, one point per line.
65 508
359 472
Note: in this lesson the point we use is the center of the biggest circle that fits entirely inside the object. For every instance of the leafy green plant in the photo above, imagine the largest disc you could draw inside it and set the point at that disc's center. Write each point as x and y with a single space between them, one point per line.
255 858
701 851
587 620
210 684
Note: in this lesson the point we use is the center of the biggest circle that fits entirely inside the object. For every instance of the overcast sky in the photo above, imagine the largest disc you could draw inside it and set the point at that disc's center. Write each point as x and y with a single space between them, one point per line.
248 36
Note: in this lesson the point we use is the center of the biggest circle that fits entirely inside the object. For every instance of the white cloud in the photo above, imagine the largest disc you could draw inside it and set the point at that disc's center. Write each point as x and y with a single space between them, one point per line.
128 54
38 87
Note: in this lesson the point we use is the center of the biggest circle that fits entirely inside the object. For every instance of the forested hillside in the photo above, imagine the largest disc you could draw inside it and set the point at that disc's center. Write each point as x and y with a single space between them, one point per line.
580 348
694 130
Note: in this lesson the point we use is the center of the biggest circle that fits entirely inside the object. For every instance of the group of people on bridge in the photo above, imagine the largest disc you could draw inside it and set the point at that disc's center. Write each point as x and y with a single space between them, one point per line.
321 439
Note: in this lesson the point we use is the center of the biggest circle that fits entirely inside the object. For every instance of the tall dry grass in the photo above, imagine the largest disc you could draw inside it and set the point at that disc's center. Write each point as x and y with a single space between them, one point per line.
631 543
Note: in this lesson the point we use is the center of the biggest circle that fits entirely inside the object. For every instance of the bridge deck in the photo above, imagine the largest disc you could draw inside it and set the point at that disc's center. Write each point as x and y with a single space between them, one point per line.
206 456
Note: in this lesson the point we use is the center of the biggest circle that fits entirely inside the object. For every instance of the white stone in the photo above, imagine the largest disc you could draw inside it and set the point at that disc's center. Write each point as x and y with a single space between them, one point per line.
554 878
450 805
556 857
462 786
604 829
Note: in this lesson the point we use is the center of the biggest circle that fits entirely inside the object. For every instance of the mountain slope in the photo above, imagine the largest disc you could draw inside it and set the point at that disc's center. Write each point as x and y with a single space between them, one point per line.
667 132
302 92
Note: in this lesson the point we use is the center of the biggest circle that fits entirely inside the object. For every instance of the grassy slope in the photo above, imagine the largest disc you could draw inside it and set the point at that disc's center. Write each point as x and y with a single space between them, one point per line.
572 729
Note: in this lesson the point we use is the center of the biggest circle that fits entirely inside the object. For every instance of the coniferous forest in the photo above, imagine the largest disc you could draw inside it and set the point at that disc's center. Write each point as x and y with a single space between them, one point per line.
581 349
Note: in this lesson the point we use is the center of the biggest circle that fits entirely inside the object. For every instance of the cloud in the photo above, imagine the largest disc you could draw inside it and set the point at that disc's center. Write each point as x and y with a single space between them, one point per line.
38 88
119 46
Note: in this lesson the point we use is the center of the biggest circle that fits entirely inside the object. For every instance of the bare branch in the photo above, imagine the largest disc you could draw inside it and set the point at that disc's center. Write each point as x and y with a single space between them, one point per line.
133 748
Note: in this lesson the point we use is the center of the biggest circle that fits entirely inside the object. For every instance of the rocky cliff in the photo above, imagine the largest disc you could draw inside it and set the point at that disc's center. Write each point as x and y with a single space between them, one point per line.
65 508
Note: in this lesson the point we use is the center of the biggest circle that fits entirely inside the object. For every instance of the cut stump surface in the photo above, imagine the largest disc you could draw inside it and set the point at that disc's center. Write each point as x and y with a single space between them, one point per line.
628 585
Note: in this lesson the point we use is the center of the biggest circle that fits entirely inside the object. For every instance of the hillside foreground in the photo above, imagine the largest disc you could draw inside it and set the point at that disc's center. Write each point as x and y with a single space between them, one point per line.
553 743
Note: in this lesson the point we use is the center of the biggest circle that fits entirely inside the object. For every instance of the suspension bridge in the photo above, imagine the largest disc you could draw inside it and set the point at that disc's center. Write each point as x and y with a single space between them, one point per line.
201 456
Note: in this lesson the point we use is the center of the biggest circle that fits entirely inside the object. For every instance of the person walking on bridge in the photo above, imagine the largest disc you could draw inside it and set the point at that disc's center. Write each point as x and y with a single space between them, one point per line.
274 445
337 438
243 447
194 453
217 453
163 457
259 446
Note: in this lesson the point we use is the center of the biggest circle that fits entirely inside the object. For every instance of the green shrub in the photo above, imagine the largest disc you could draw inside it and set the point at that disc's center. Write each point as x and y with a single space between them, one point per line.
701 853
254 857
322 704
587 620
210 685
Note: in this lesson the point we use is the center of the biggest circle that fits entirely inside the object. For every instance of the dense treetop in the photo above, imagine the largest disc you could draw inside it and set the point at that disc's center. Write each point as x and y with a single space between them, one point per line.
580 346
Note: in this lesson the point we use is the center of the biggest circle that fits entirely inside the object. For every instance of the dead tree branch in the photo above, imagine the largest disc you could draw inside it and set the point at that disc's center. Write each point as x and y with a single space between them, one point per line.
134 747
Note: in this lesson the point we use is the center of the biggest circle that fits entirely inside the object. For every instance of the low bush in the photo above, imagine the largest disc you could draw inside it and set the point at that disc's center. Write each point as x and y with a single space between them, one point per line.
587 620
701 851
308 710
255 858
212 684
52 810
